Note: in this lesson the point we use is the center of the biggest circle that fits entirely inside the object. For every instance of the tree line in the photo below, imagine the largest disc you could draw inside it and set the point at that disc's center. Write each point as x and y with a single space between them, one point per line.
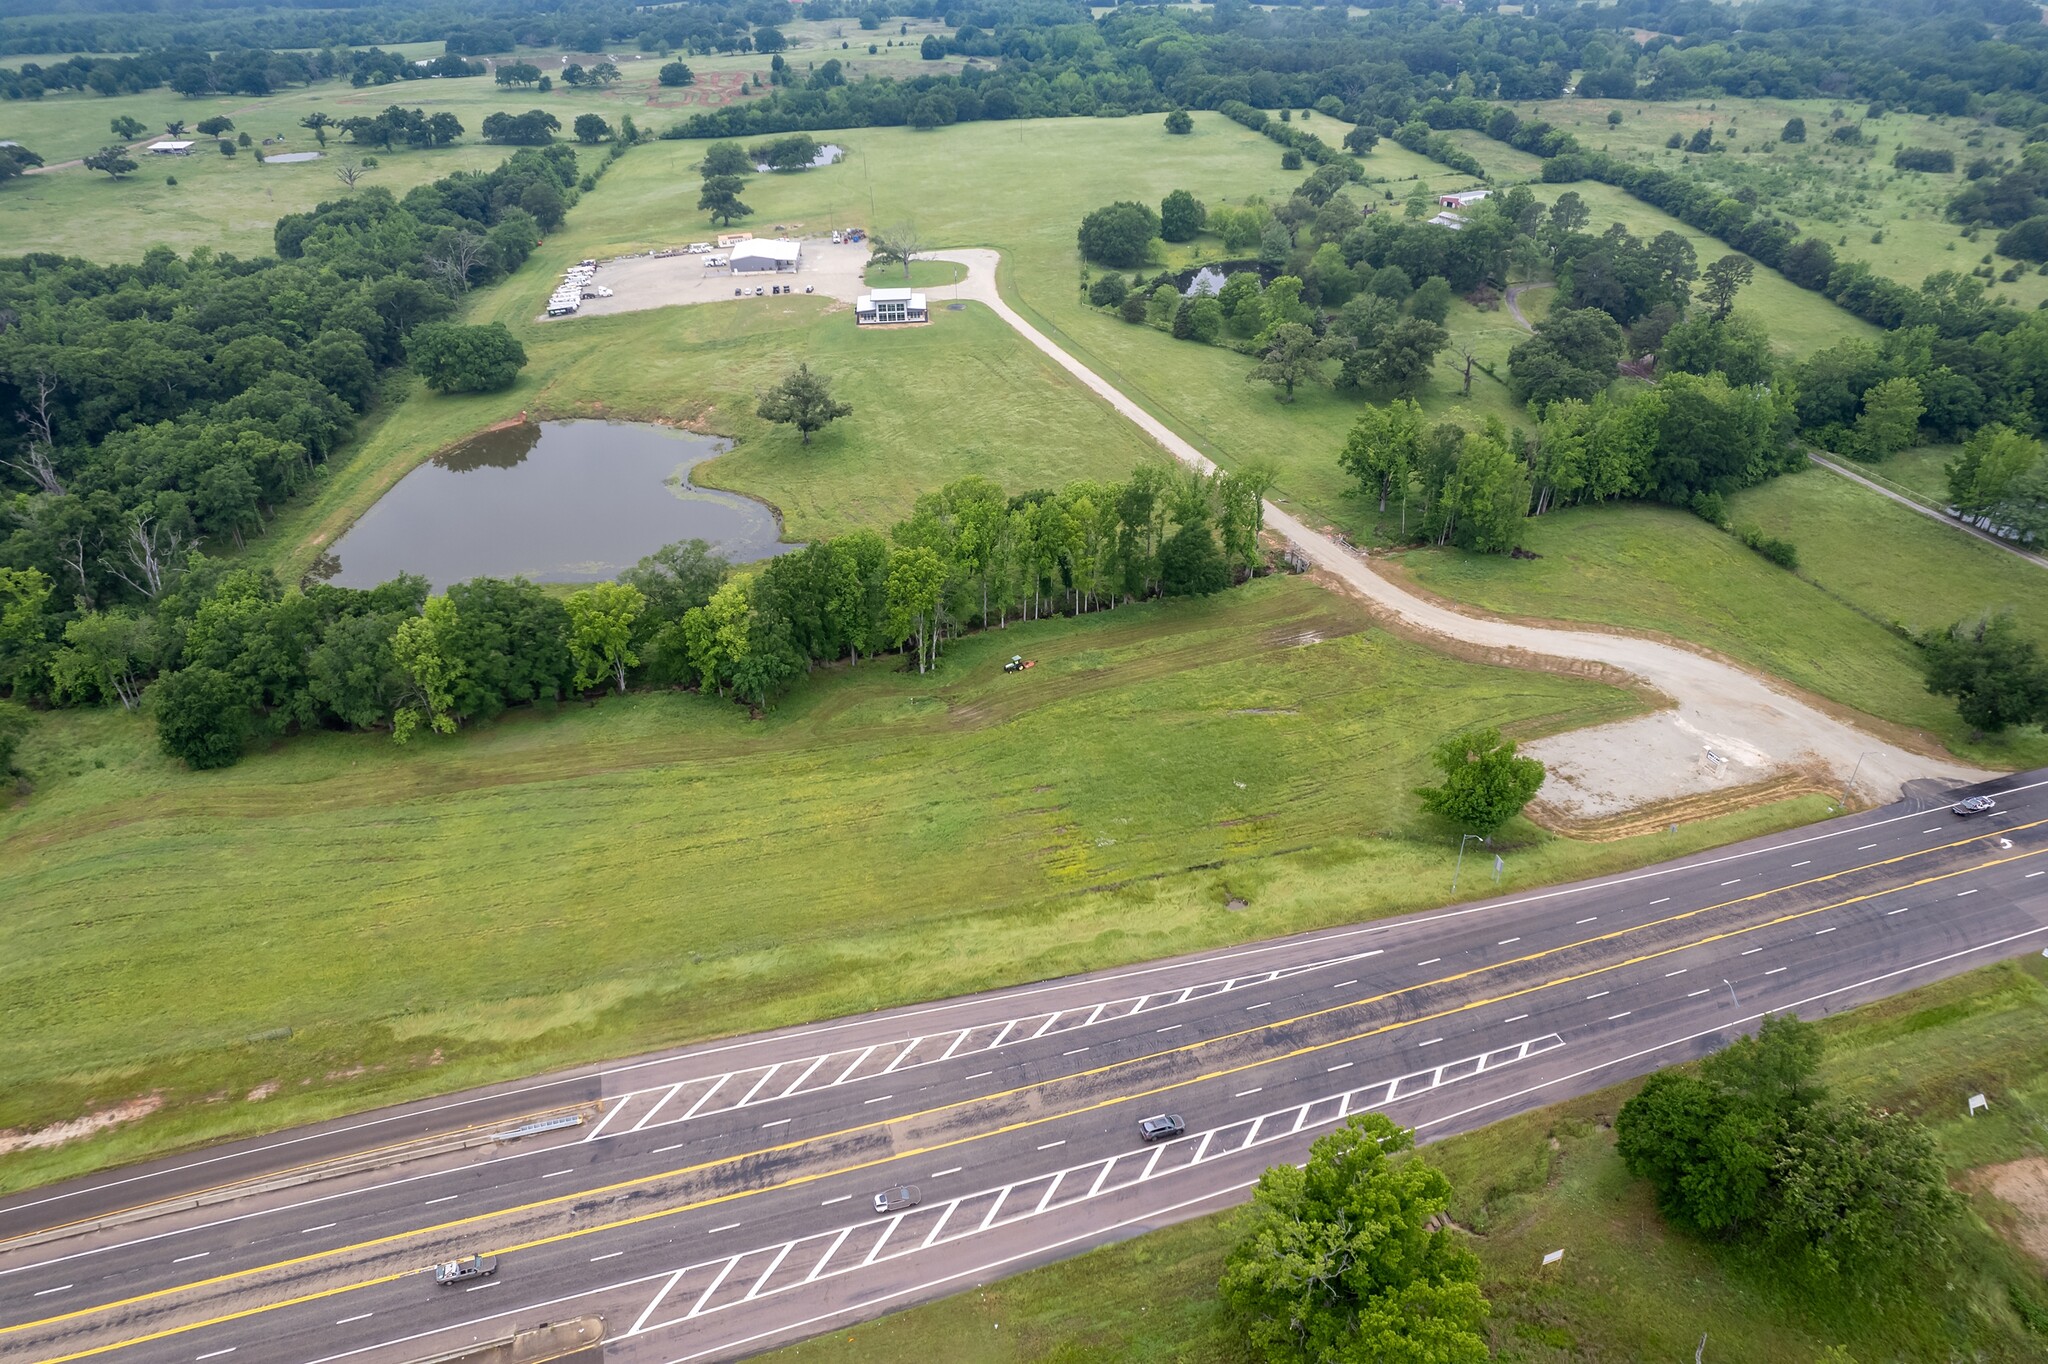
222 655
179 400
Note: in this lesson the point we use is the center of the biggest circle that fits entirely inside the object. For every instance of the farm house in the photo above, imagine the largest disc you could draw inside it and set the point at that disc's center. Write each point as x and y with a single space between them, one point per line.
890 305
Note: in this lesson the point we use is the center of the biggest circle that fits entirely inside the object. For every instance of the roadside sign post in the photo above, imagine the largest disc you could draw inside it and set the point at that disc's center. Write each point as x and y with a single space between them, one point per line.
1461 860
1497 865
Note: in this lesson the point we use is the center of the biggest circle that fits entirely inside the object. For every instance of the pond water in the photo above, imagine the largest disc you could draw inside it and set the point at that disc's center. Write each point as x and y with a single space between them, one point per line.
557 502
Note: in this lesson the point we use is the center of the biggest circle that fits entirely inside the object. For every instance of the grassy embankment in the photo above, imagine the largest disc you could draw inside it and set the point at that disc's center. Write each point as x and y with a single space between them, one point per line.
565 886
1628 1289
1866 565
230 203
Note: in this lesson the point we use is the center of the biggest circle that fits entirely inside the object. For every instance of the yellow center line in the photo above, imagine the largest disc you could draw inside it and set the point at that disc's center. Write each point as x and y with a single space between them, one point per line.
291 1171
883 1124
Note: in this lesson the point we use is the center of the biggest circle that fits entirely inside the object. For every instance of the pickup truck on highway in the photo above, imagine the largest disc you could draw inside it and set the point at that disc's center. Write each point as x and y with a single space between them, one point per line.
468 1267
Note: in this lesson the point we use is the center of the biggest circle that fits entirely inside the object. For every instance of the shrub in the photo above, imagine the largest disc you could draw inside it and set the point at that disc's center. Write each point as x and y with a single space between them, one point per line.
1783 553
1108 291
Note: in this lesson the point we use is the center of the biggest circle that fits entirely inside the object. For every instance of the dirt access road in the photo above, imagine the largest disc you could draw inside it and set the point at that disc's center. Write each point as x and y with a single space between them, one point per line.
1726 727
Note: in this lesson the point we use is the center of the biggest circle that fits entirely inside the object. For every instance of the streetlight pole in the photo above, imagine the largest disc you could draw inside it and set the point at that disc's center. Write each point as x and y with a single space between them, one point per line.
1731 994
1461 859
1855 771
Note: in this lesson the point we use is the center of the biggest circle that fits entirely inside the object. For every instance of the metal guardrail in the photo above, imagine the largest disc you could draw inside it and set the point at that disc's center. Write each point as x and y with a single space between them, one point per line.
538 1126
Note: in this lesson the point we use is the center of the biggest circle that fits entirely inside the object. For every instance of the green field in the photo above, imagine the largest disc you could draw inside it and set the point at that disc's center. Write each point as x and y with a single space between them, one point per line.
1846 195
660 867
1627 1288
1865 564
1019 187
1029 425
230 204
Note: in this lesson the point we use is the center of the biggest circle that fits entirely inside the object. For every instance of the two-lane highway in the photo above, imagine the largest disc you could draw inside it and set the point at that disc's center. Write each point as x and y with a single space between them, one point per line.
717 1200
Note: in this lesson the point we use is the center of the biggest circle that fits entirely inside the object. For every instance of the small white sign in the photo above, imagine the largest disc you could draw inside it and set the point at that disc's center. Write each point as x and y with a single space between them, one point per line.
1978 1102
1553 1257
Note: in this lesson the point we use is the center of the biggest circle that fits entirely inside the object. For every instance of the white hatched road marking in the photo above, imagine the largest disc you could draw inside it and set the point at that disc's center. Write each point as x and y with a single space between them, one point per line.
662 1112
1062 1188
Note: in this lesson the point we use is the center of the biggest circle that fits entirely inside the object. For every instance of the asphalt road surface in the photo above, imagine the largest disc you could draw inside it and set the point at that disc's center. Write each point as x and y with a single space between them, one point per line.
717 1201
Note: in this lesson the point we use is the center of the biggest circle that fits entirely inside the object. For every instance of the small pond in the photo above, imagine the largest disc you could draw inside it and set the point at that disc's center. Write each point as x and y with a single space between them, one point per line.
557 502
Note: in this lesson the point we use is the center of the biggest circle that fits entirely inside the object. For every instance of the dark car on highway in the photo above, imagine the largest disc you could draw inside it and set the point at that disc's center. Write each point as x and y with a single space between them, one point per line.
1975 805
1161 1127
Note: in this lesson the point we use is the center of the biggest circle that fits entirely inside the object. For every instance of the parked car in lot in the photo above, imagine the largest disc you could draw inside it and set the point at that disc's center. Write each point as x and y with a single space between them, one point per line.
468 1267
1163 1126
1975 805
896 1199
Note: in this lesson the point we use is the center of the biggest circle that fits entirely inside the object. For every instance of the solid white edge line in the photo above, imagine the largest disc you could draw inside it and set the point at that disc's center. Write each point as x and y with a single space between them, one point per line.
1023 991
1039 1253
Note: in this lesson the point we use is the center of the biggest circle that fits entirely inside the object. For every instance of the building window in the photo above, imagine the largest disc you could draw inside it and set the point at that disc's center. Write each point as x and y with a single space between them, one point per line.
889 310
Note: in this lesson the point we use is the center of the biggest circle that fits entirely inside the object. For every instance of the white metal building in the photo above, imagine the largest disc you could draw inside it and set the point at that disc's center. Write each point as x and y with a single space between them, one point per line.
766 253
890 305
174 147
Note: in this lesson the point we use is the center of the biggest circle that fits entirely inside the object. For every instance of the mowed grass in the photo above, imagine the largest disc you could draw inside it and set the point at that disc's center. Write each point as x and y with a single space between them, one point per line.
930 404
1628 1288
1868 568
1019 187
574 884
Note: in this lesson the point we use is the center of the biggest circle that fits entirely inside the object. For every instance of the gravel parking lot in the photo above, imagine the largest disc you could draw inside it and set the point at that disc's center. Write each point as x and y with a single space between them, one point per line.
639 282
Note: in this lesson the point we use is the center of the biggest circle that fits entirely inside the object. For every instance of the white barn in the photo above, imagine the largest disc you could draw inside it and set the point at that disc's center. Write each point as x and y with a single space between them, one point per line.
890 305
765 253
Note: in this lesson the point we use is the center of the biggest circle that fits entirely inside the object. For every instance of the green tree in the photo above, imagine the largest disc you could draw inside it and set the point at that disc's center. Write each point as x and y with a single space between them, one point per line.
719 198
128 128
1180 216
1890 420
602 618
591 129
673 74
202 716
1189 563
803 400
115 161
105 656
1431 300
1794 130
1179 122
1995 673
1343 1260
26 624
427 651
931 49
453 358
1860 1193
1119 234
1381 451
917 586
215 126
1485 784
1361 140
1573 354
1293 356
1404 356
1721 281
725 158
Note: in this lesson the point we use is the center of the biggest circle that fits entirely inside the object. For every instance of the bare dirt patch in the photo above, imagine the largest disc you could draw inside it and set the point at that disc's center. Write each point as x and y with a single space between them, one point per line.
75 1129
2021 1185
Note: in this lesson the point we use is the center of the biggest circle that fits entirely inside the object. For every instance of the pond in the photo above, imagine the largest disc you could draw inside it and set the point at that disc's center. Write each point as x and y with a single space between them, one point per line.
556 502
